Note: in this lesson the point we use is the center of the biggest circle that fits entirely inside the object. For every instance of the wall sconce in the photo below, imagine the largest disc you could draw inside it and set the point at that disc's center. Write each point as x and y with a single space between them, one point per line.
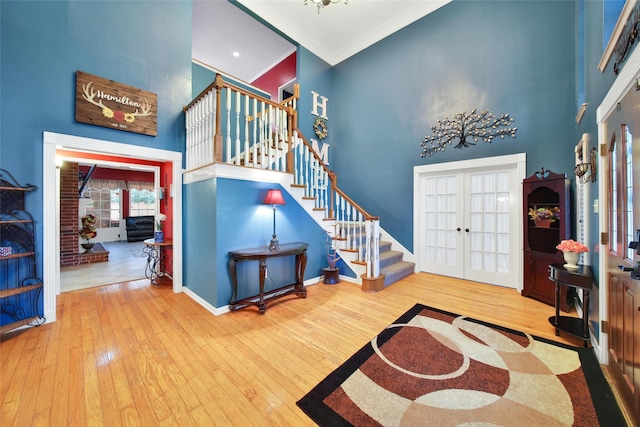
582 169
274 197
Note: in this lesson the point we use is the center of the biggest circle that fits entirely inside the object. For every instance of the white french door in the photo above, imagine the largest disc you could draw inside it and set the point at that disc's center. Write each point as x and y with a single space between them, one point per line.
468 219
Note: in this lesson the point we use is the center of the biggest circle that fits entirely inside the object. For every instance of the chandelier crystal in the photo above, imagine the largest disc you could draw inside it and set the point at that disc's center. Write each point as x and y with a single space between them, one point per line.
322 3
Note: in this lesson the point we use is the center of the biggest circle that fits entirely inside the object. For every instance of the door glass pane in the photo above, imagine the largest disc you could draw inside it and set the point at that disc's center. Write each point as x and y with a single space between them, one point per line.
489 261
502 263
629 227
613 191
502 202
502 223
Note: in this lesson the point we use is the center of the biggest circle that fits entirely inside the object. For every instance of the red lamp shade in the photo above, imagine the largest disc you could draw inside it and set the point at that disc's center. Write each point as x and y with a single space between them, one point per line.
274 197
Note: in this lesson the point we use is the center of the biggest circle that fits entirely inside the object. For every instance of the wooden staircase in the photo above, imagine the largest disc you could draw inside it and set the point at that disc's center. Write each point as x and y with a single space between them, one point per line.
260 134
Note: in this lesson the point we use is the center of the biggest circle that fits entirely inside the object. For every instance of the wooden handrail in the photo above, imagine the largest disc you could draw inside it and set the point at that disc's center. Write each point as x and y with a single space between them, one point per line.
220 83
358 207
334 179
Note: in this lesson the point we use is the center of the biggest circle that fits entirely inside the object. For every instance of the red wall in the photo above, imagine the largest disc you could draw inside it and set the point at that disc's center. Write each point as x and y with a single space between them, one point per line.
166 172
277 76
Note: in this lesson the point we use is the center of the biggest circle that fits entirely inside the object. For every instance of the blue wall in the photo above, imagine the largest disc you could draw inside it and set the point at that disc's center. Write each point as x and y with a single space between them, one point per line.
44 43
228 214
507 57
315 75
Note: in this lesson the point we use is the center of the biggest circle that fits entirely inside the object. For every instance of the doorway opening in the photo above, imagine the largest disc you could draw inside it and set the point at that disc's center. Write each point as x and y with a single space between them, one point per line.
114 192
51 206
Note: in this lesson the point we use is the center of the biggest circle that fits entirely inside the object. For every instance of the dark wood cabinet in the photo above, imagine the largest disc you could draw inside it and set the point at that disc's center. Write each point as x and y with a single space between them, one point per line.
545 189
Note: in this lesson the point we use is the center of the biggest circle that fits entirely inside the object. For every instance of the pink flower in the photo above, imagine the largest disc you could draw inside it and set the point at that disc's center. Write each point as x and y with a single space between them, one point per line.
572 246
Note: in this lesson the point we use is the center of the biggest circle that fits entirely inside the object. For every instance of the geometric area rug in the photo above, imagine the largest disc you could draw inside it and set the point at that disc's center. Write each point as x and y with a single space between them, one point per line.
434 368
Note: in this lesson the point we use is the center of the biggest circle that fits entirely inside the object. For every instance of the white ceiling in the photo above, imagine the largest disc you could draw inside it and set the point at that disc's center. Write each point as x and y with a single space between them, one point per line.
339 31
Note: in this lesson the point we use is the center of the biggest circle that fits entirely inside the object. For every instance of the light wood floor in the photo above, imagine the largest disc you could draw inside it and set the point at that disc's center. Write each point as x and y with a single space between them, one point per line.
132 354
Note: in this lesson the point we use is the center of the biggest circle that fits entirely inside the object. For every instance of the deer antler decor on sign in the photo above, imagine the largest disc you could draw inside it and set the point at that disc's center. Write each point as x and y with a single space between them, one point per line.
468 128
89 94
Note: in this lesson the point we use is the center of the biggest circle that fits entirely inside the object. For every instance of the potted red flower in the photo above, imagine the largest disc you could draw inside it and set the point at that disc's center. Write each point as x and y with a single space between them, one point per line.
571 251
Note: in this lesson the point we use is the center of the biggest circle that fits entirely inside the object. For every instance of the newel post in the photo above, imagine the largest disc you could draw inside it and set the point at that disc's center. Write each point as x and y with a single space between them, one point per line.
217 137
290 160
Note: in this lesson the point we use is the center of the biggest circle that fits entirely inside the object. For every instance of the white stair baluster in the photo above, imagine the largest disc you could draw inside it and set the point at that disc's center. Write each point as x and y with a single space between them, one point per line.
361 242
212 134
255 133
270 138
208 129
277 142
343 216
200 132
189 133
263 136
227 154
246 131
307 180
376 248
207 141
367 255
348 246
300 160
237 153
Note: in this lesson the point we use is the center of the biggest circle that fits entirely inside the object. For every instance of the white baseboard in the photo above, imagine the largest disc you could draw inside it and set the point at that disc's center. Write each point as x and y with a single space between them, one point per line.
225 309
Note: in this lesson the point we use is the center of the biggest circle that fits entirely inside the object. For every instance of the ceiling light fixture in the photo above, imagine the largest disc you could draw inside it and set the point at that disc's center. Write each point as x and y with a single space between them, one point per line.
322 3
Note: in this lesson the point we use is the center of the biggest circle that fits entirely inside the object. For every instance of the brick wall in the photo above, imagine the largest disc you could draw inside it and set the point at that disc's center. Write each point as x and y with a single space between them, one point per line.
70 253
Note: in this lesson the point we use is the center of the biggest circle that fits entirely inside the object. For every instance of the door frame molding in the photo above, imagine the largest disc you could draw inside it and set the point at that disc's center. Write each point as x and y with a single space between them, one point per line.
51 212
625 82
519 161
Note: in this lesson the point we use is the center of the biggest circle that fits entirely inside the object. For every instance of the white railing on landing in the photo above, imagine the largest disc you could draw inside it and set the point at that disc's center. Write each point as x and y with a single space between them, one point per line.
227 124
230 125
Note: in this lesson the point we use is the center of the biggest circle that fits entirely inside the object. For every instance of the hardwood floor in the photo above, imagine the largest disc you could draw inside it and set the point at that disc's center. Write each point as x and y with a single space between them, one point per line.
132 354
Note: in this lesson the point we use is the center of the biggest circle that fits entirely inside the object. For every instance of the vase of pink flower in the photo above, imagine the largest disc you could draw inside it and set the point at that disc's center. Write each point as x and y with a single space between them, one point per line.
571 251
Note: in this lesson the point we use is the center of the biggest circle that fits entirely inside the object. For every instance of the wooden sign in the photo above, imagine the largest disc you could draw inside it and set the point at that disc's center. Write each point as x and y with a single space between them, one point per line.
103 102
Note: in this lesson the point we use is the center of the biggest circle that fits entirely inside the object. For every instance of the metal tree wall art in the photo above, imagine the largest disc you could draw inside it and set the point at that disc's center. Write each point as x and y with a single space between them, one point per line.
468 129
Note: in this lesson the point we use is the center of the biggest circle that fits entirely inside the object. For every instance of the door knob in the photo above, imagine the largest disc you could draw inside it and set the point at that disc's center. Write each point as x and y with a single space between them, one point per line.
458 228
466 229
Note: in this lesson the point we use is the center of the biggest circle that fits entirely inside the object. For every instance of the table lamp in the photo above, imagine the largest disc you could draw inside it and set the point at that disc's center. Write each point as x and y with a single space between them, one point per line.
274 197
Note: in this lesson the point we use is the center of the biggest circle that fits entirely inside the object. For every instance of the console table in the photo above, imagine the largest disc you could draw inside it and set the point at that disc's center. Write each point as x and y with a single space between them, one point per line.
581 278
298 249
155 269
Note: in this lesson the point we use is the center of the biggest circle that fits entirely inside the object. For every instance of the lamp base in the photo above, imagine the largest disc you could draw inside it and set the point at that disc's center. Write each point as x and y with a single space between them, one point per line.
274 245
